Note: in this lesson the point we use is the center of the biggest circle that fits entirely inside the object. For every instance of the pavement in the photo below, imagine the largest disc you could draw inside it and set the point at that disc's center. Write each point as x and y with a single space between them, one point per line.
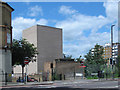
94 83
25 84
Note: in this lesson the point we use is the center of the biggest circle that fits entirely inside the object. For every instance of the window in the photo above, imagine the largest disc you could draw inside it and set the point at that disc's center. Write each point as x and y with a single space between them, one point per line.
8 38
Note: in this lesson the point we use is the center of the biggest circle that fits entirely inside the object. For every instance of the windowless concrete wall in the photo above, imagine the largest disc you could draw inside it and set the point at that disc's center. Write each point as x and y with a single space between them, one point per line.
48 41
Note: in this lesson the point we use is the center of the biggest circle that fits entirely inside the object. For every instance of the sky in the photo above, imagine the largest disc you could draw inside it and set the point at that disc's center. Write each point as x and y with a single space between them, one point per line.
84 24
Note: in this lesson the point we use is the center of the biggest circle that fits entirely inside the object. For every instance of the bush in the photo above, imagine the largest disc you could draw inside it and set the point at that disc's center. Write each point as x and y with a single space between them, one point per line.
92 77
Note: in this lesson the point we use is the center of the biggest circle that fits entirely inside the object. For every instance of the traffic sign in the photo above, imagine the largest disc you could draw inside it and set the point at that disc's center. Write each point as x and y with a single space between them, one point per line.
82 63
82 66
26 61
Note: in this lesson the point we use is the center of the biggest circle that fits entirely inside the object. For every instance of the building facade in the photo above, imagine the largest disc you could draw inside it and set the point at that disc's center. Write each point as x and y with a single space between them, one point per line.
107 53
5 41
115 52
64 69
111 52
48 41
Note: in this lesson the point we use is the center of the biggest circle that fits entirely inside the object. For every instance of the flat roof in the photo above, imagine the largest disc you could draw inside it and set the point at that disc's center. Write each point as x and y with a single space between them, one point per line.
48 26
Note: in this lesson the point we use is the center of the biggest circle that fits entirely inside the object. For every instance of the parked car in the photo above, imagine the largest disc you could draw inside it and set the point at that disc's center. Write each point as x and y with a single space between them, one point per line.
20 80
32 80
28 80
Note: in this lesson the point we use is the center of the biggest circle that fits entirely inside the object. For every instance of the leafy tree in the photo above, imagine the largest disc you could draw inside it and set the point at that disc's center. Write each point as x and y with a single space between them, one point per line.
64 55
68 56
118 65
94 59
79 59
22 49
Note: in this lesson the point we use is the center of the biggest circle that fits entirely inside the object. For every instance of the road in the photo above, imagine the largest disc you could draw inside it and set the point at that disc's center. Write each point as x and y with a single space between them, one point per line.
69 85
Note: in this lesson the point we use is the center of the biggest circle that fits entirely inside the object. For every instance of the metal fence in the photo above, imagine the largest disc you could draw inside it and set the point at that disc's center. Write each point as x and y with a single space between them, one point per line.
5 78
101 71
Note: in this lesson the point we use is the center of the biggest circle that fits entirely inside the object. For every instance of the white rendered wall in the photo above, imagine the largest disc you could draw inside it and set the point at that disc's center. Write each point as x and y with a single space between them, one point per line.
31 35
5 64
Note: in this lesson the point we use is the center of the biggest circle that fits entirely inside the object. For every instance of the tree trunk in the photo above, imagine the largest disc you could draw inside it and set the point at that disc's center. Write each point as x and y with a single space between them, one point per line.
22 72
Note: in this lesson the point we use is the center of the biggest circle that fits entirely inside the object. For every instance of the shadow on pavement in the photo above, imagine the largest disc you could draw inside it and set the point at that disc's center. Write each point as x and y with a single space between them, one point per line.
59 88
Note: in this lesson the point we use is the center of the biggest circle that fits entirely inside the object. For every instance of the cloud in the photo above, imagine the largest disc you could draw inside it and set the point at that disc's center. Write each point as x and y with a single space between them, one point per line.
66 10
75 26
21 23
35 11
42 21
82 46
75 39
111 9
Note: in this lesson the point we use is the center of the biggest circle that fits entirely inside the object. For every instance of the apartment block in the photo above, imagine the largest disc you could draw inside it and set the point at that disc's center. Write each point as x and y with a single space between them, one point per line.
107 51
111 52
115 51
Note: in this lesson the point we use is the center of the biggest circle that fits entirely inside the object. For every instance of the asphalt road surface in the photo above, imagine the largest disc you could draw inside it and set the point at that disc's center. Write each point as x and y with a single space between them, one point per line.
70 85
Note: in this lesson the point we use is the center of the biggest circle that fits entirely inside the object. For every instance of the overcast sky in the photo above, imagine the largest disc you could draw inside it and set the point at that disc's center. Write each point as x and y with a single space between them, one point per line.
84 23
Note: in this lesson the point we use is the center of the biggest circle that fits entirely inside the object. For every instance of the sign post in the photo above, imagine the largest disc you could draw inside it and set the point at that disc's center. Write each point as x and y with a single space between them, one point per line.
26 62
82 67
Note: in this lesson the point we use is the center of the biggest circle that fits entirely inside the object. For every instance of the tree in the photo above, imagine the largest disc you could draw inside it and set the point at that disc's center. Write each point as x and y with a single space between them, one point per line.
118 65
79 59
22 49
94 59
68 56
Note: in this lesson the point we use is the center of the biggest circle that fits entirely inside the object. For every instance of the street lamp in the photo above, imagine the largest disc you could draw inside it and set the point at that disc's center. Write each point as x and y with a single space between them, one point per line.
112 47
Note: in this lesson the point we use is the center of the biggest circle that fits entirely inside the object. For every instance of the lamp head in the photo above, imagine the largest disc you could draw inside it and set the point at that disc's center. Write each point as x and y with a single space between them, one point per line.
112 25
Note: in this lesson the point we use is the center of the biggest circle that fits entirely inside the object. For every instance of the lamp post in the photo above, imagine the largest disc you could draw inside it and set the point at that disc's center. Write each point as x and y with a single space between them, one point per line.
26 61
112 48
